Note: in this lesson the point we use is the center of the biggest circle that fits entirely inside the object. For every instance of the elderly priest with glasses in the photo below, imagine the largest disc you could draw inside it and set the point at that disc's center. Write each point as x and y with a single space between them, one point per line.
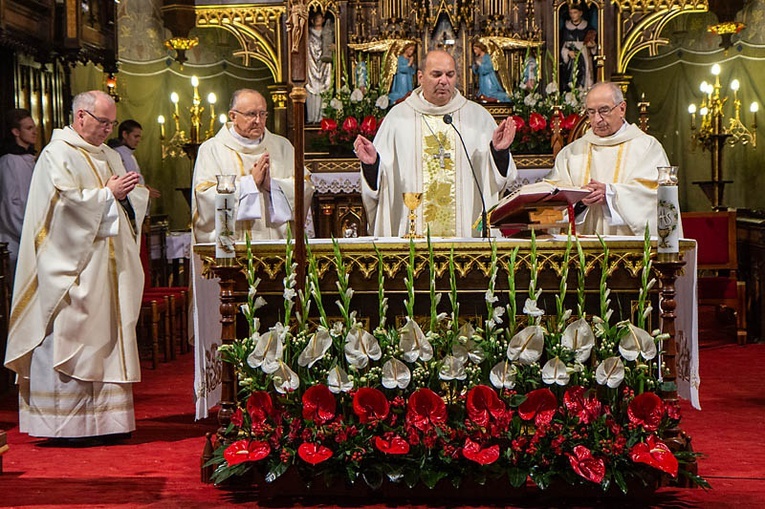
263 163
78 287
617 162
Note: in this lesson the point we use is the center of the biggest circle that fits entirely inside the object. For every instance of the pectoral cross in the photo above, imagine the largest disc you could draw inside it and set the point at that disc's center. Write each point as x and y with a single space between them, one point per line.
442 156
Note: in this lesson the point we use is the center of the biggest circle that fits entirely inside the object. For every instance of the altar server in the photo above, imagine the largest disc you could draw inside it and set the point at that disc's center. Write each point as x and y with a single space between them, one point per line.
416 150
618 162
77 297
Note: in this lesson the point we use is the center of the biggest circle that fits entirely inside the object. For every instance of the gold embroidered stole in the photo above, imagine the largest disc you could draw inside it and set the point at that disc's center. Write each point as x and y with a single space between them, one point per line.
439 177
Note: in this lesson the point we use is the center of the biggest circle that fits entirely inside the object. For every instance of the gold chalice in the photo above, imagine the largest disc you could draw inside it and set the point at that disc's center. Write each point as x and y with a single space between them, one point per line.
412 201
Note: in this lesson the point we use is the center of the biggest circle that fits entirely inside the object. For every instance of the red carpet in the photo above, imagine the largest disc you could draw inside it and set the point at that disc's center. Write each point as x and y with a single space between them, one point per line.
159 465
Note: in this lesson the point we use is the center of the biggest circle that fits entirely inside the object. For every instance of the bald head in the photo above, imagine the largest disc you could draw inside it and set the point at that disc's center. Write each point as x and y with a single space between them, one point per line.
438 77
94 116
605 108
248 113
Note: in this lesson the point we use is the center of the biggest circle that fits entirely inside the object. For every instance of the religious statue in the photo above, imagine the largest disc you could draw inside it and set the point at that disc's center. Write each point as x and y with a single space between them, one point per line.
403 80
321 44
489 88
361 75
296 23
578 46
530 75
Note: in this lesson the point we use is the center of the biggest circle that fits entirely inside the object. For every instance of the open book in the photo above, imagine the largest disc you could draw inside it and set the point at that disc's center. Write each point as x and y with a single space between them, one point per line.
515 207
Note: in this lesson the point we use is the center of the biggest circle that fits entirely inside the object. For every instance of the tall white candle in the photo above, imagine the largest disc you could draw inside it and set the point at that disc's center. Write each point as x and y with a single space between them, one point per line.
668 212
225 226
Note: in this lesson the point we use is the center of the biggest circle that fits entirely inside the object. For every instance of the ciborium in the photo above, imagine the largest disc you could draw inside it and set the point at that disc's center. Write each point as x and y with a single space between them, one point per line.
412 201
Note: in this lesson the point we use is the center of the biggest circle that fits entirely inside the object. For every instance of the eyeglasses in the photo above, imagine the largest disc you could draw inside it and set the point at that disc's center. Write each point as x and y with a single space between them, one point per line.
250 115
602 111
105 122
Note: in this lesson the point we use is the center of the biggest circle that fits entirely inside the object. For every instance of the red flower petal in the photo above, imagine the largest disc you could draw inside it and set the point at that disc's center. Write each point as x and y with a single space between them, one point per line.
656 454
395 445
260 406
238 418
486 456
570 121
370 405
319 404
426 409
646 410
350 124
328 124
585 465
519 122
539 405
582 404
369 125
482 404
314 453
537 122
242 450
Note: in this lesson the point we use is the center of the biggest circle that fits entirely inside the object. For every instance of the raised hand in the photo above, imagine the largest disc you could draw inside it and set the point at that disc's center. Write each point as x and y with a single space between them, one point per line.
504 134
364 150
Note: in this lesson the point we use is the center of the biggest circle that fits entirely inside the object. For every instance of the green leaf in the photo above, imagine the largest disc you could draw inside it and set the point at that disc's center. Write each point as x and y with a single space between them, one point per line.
277 471
374 478
431 477
517 476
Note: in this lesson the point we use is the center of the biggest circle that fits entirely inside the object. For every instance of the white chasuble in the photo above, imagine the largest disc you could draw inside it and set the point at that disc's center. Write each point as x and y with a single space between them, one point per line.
439 203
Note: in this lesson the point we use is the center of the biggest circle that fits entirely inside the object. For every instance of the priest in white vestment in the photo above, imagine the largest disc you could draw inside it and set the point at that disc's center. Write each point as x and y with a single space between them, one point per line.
79 282
264 164
417 151
618 162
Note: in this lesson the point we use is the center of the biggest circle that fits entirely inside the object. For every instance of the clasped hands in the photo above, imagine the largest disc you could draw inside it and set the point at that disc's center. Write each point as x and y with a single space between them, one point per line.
501 139
121 185
261 173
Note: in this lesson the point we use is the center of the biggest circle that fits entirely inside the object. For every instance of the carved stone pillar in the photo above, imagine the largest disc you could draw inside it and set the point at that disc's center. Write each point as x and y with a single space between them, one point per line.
279 93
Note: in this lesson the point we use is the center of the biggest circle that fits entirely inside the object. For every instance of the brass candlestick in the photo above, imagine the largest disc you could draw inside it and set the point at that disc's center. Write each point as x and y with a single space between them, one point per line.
412 201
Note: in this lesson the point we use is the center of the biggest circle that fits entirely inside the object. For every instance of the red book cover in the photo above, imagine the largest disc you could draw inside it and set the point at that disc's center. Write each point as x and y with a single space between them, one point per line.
512 208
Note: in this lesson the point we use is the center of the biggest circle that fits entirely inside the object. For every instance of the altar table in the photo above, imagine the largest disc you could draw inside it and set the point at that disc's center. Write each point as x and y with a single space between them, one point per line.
472 264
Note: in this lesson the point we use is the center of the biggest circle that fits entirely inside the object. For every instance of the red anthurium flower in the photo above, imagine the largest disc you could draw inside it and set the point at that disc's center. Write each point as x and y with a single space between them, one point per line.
259 406
483 404
426 409
570 121
319 404
238 418
370 405
396 445
328 124
350 124
537 122
646 410
314 453
369 125
243 450
655 453
540 405
582 404
584 464
519 122
483 456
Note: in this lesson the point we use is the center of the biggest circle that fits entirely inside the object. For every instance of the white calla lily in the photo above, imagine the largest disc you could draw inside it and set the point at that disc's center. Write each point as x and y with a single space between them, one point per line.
526 347
360 346
317 346
555 372
452 369
338 381
413 343
395 374
637 342
610 372
579 338
502 375
268 350
285 380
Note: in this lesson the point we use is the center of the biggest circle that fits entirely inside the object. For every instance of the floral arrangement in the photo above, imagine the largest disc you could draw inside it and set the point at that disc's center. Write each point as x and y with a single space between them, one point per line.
548 397
534 113
347 114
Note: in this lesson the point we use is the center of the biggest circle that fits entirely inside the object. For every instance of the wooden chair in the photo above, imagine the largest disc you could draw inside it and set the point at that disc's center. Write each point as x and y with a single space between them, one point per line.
718 285
153 317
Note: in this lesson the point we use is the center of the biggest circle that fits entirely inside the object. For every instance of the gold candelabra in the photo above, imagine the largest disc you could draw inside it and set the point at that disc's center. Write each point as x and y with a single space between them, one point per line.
179 144
713 135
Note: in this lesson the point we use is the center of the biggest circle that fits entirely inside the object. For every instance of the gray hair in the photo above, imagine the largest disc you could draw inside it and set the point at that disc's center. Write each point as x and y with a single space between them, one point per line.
87 100
241 91
616 90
